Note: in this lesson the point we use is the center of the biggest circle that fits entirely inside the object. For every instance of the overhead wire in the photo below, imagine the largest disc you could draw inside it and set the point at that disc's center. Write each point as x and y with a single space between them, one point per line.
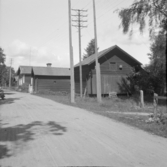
61 37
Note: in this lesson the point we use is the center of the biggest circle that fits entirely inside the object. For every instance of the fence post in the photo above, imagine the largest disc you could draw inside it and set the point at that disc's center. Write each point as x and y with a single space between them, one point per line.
155 103
142 98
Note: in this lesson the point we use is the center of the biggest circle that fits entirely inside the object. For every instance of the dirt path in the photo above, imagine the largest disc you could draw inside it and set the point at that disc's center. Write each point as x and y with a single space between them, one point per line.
39 132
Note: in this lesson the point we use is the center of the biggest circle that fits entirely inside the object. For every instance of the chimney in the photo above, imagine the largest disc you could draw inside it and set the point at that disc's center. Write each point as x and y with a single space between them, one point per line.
49 64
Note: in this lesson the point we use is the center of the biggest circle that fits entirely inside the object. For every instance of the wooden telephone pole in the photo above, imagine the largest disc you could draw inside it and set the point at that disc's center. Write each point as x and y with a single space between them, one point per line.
98 75
79 26
71 56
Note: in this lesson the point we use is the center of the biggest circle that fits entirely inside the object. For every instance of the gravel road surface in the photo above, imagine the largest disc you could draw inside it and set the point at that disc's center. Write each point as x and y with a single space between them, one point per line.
38 132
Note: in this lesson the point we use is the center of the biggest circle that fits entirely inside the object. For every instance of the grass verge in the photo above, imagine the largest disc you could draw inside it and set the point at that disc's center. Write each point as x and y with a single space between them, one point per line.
125 110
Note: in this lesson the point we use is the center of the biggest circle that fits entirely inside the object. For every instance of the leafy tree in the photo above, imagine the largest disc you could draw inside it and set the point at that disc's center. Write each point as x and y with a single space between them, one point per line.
157 55
157 67
2 65
140 10
154 79
90 50
2 57
155 13
5 78
4 71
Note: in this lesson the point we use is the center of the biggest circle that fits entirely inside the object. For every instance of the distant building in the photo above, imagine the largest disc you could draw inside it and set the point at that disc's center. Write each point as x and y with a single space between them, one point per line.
44 78
23 75
50 78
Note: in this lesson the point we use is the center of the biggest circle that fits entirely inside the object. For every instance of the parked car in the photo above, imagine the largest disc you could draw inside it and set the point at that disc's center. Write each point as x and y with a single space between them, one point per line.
2 95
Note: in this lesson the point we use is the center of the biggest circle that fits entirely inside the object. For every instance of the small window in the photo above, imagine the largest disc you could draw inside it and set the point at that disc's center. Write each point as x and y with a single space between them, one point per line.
120 67
113 66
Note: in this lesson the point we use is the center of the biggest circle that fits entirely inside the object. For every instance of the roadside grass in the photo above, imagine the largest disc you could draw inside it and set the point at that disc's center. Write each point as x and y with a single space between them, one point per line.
123 109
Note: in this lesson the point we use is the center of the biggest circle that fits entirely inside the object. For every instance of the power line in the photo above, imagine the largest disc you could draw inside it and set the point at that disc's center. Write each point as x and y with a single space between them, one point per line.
111 8
79 24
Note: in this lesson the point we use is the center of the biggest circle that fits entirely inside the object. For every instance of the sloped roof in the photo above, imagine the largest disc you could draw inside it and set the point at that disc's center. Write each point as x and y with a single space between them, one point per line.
24 70
51 71
91 59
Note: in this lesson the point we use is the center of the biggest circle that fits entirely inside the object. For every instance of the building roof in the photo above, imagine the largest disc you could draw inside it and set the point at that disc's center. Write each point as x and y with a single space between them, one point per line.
51 71
24 70
91 59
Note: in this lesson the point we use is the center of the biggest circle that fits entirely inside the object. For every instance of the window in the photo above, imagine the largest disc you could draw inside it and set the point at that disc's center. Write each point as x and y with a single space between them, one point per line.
120 67
113 66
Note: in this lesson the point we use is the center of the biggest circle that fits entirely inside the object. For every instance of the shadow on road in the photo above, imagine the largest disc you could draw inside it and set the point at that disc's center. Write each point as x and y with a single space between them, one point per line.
7 93
26 133
3 151
8 100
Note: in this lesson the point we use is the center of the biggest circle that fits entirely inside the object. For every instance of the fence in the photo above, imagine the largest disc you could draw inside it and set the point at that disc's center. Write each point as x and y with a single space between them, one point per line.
155 102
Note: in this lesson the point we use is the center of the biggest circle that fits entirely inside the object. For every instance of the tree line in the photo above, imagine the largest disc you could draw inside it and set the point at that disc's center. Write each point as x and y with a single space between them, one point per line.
5 71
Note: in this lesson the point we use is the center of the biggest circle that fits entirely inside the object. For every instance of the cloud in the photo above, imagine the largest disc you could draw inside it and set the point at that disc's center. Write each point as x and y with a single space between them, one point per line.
23 54
136 39
18 48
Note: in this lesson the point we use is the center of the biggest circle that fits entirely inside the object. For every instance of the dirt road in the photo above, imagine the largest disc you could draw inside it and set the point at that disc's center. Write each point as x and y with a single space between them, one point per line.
37 132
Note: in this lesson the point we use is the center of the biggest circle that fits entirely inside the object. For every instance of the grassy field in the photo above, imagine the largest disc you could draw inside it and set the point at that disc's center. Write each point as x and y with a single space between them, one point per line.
123 109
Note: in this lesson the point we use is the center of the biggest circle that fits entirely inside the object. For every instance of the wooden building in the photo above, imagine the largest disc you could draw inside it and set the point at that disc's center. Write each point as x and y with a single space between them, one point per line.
115 64
50 78
23 75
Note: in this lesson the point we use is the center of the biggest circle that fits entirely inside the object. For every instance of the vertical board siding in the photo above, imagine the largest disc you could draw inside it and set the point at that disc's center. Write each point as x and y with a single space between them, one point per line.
51 83
126 68
54 85
77 87
110 80
109 83
27 79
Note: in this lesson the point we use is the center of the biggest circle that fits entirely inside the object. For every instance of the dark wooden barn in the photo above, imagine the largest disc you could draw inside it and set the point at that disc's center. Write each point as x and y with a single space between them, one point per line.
23 75
51 79
115 64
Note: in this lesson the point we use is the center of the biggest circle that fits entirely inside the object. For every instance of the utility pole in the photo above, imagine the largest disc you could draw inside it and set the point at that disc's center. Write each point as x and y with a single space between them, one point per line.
71 56
98 75
10 74
79 26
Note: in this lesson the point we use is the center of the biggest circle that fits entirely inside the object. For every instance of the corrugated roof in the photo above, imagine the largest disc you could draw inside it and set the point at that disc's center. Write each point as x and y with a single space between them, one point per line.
51 71
91 58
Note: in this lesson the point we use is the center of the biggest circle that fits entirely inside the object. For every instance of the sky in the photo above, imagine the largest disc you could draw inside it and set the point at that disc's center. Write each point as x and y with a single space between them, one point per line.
36 32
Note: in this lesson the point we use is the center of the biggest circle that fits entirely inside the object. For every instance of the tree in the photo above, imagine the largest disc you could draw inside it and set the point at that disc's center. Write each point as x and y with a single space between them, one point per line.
157 67
141 11
2 57
155 13
90 50
157 55
5 78
2 65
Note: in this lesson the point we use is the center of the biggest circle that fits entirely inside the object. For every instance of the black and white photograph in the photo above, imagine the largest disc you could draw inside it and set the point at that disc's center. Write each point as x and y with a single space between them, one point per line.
83 83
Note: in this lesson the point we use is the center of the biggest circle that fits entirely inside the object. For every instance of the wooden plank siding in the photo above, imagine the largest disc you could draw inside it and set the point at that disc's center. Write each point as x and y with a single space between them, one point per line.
57 83
109 83
77 87
28 79
85 73
24 79
114 66
106 66
110 80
